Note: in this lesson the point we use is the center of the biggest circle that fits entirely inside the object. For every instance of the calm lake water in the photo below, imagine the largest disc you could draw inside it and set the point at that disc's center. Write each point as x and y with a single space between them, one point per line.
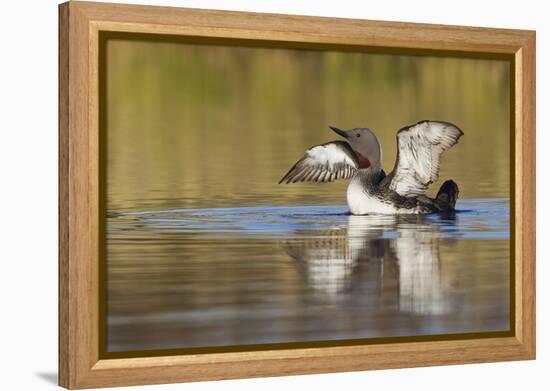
204 248
231 276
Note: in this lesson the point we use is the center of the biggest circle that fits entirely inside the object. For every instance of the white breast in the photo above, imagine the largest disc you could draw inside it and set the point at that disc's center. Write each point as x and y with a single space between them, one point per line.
361 203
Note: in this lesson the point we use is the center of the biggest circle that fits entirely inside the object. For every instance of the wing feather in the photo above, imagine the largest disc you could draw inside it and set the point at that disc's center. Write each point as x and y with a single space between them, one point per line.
324 163
419 150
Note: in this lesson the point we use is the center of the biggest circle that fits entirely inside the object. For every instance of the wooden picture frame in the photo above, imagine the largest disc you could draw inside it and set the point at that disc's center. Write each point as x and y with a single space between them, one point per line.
80 25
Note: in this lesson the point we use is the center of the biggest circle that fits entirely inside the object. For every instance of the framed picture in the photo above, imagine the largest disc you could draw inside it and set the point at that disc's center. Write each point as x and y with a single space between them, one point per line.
247 195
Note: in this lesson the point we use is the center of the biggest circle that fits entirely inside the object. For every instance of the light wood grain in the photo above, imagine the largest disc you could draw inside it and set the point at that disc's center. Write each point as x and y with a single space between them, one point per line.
80 23
525 195
64 324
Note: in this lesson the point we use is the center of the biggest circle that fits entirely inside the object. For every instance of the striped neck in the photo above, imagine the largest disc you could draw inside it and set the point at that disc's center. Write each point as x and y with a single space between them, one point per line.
369 178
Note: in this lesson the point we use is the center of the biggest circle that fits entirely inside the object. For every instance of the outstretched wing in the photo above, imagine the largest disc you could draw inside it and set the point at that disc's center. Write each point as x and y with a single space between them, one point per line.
419 149
324 163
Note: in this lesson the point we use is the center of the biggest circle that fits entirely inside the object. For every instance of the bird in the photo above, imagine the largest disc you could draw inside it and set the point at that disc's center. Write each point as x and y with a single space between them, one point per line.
359 157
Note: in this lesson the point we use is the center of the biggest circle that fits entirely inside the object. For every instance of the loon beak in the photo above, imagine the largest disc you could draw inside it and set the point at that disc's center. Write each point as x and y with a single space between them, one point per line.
339 131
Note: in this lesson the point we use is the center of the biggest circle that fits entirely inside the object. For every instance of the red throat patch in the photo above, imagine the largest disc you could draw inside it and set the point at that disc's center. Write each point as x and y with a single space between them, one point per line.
362 160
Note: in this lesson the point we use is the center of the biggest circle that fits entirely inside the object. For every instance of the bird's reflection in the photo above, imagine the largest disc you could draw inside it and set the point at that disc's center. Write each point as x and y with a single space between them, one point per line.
396 256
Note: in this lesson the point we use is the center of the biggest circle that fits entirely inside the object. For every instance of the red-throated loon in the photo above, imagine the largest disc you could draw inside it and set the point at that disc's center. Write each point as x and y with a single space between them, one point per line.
402 191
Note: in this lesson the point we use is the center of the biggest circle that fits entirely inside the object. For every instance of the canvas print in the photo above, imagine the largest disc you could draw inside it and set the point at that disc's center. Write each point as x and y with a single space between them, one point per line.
269 196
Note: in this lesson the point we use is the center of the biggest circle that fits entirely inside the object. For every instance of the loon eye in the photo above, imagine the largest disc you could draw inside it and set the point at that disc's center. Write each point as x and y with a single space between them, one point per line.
358 135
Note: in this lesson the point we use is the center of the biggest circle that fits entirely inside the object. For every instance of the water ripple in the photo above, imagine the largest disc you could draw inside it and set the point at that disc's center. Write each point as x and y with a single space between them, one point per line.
474 219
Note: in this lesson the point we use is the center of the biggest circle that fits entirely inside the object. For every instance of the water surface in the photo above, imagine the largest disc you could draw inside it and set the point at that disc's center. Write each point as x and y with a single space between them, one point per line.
232 276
